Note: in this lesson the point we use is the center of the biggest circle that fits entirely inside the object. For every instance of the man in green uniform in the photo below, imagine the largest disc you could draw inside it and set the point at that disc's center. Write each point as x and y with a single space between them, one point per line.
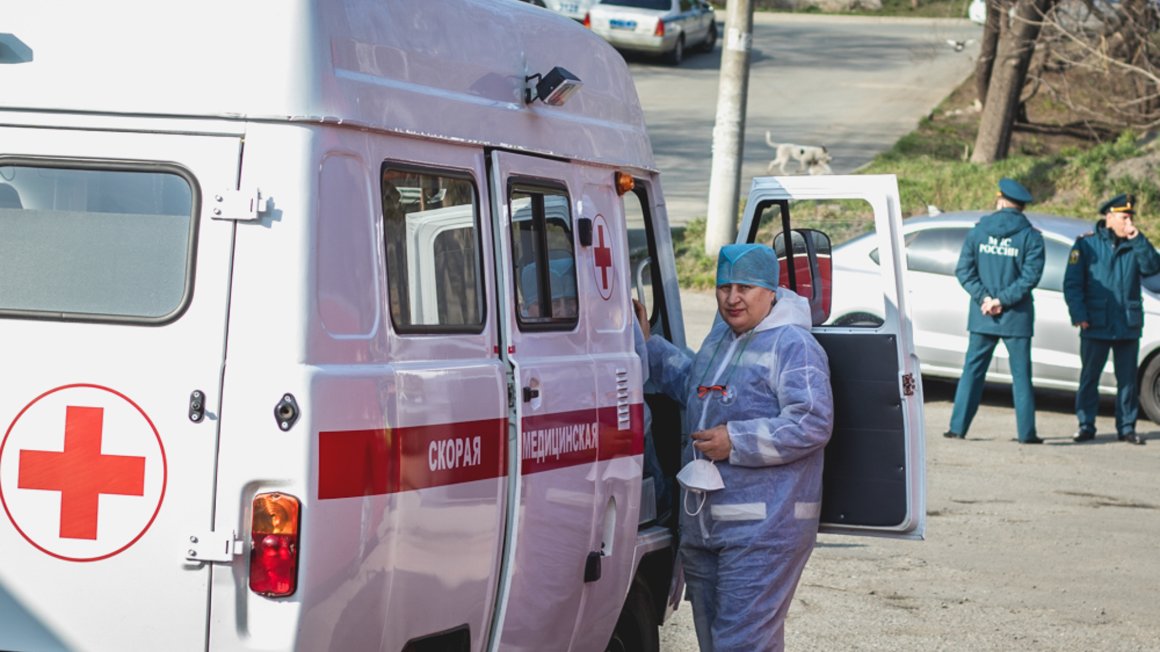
1102 290
1000 263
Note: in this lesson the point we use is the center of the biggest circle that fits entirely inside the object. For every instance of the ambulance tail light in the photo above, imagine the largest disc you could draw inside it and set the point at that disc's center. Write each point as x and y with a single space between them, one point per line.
274 549
660 30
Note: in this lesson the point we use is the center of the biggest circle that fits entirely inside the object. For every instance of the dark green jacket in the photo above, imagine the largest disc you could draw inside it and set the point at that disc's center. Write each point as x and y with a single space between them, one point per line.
1002 258
1102 283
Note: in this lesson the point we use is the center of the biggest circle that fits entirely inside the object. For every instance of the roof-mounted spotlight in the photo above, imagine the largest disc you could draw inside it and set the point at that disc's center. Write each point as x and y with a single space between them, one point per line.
553 88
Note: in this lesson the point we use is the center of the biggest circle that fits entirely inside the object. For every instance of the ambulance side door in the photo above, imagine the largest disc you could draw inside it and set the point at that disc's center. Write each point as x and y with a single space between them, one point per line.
575 447
113 312
874 478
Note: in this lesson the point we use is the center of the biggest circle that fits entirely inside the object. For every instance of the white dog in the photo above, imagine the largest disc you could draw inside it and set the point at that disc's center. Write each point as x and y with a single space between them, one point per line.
814 158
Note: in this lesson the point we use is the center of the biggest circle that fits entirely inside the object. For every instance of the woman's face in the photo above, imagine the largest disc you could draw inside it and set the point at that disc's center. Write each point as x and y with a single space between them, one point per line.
743 306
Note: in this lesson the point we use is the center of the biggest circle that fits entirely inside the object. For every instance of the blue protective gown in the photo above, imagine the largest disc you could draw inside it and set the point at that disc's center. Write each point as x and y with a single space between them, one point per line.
744 552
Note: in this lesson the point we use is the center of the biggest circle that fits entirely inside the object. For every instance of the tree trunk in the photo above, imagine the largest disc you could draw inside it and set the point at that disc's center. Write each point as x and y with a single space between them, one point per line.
1140 23
996 9
1007 77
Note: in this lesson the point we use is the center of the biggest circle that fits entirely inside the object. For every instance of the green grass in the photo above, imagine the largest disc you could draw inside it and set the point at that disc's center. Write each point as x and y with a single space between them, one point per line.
695 270
1072 182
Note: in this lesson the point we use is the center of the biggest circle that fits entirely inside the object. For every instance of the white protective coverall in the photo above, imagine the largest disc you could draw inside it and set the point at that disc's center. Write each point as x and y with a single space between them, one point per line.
744 552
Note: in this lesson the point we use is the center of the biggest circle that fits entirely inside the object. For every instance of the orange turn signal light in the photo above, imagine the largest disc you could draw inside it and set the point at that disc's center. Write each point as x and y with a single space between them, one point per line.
624 183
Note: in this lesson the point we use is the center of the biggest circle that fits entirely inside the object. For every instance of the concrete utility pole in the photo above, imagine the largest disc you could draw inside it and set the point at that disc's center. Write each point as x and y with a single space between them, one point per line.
729 131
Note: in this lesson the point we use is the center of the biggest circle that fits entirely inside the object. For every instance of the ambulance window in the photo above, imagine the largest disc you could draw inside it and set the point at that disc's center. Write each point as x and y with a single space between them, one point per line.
543 258
431 233
95 244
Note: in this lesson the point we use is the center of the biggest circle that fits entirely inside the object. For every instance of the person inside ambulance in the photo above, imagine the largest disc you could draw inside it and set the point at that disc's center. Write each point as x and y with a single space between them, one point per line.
760 409
561 285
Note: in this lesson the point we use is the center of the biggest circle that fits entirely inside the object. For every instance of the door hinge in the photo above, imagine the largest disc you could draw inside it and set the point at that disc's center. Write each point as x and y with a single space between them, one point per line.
908 384
239 205
213 547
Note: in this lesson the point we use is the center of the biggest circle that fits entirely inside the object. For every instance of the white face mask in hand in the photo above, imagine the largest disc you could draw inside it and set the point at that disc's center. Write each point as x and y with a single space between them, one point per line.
699 476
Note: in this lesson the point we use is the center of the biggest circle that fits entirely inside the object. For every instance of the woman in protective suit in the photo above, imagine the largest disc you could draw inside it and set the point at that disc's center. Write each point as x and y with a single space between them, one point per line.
760 409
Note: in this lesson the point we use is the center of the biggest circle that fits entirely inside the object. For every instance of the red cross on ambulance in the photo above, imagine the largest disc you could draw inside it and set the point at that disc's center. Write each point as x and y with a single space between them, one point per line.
82 472
602 259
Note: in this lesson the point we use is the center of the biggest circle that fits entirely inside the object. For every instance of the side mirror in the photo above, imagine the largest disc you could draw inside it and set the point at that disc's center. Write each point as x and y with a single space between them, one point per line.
806 269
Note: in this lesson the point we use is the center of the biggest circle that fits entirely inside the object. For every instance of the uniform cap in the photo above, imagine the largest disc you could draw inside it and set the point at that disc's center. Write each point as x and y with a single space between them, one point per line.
747 264
1121 203
1013 190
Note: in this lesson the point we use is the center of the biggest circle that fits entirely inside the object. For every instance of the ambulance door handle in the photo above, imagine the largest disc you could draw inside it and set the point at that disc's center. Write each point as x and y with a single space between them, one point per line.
531 393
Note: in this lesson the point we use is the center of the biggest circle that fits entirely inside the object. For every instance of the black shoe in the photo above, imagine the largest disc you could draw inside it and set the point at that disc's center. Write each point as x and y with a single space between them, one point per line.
1033 440
1084 434
1133 438
951 434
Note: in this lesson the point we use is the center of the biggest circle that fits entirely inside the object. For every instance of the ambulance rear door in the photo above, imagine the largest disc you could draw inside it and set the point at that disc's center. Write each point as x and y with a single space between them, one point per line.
577 403
874 478
114 277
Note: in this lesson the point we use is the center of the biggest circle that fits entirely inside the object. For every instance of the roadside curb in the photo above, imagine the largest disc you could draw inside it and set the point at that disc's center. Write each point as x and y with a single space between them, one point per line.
773 18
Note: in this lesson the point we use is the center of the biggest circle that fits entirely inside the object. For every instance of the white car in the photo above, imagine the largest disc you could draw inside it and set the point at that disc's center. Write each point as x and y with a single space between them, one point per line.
939 304
660 27
574 9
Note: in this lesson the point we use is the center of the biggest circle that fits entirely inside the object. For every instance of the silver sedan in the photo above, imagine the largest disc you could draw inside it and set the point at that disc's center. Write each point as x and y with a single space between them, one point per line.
659 27
939 304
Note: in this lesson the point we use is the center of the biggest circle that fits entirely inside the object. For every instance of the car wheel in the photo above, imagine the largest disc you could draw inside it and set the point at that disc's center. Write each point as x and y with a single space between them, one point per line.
858 319
1150 389
678 53
636 629
710 38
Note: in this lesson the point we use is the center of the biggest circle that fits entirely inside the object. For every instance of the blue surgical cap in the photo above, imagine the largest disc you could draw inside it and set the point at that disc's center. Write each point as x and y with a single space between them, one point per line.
747 264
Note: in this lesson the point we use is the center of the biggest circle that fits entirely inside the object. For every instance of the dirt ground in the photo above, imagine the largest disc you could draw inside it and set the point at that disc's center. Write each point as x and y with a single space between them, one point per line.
1052 547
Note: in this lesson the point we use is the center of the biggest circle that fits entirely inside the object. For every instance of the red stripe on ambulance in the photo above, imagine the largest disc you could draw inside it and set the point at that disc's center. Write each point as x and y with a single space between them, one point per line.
555 441
376 462
389 460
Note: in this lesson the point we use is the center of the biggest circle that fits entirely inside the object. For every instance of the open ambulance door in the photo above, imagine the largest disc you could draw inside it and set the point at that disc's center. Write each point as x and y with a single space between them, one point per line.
874 478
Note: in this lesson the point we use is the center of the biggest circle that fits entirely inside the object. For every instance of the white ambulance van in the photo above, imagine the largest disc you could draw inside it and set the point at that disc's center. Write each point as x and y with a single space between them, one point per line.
316 333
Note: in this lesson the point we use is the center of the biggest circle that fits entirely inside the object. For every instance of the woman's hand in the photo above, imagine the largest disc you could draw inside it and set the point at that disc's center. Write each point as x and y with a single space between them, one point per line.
641 317
713 443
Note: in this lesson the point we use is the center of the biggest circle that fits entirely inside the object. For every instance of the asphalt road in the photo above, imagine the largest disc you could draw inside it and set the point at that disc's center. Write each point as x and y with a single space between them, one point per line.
853 84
